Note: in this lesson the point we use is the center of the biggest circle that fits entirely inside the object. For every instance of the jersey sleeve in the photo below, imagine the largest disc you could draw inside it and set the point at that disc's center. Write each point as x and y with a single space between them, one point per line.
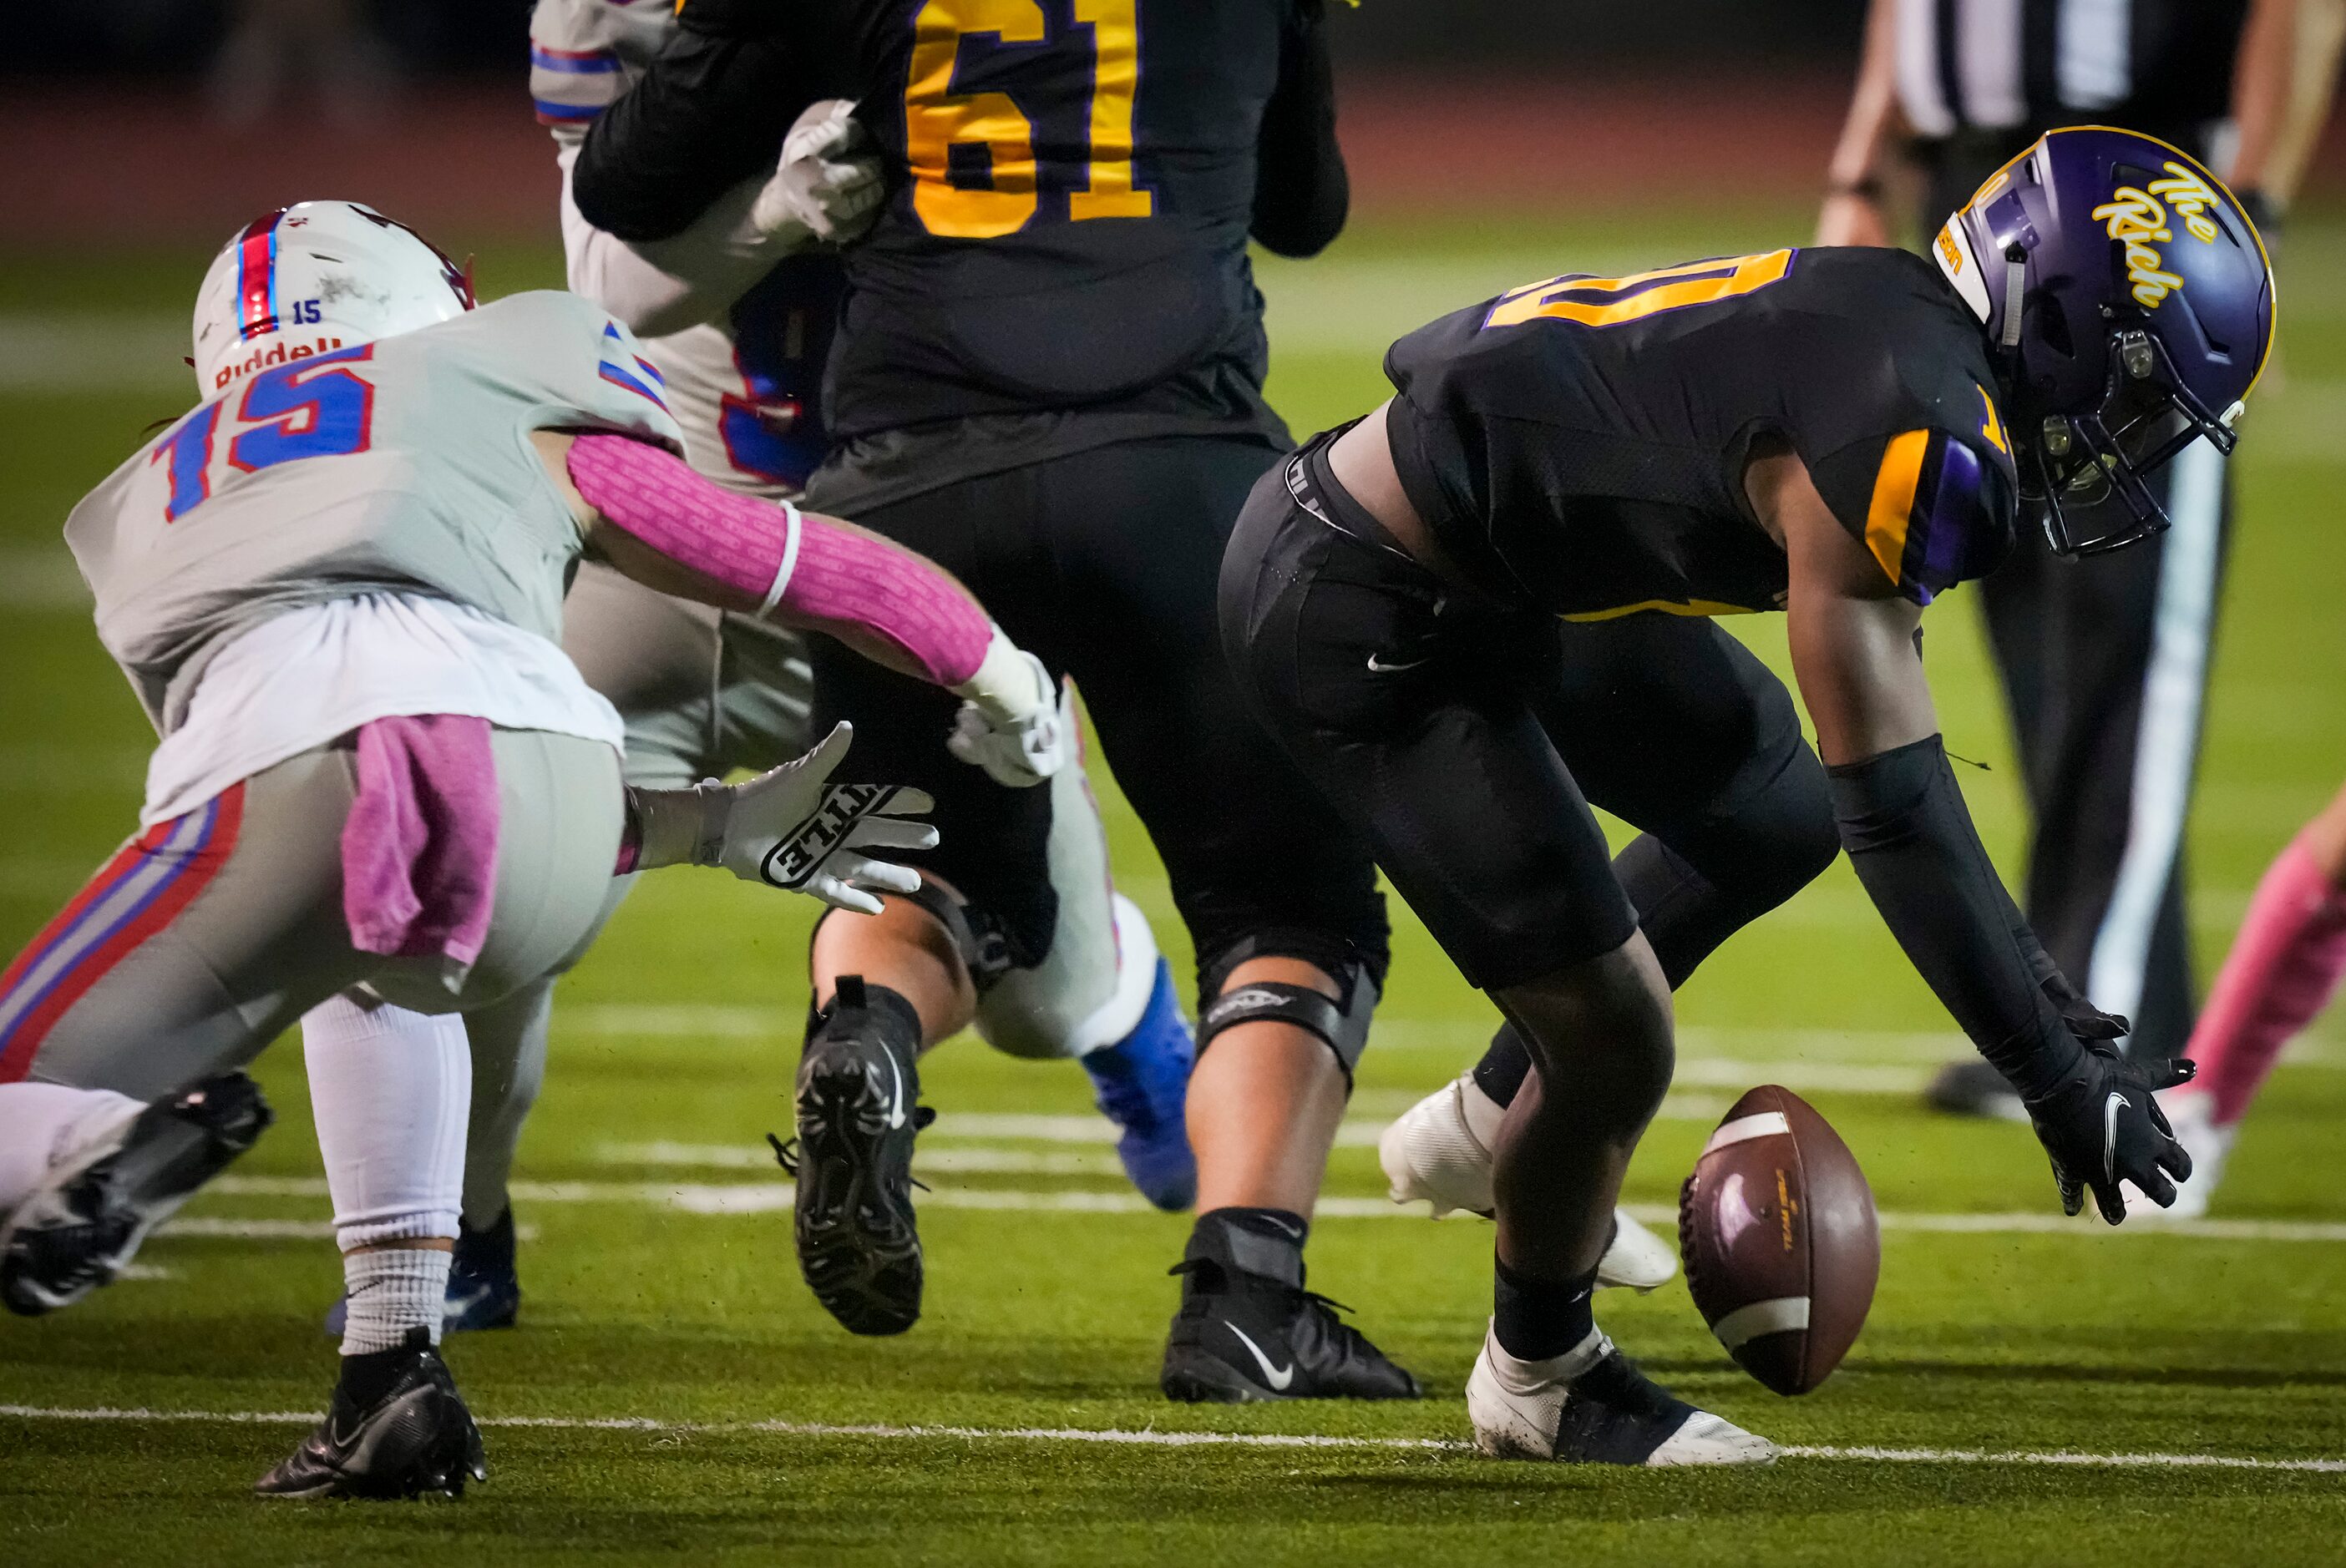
710 112
576 69
1301 190
577 364
1931 507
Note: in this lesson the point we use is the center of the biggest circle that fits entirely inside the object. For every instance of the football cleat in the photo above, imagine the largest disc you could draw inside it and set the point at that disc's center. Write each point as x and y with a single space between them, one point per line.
1434 1154
2191 1114
483 1290
97 1203
1592 1406
1142 1084
418 1439
858 1110
1241 1337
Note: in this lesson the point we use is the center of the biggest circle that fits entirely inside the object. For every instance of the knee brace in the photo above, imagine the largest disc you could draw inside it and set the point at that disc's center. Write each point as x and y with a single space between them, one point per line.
976 939
1342 1022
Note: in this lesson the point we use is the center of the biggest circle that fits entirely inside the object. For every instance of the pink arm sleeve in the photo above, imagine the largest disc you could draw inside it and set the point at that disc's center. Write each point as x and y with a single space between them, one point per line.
807 568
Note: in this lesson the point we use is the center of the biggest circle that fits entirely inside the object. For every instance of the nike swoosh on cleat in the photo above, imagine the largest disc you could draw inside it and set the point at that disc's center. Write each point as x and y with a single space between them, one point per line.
897 1097
1277 1376
1377 666
2110 1109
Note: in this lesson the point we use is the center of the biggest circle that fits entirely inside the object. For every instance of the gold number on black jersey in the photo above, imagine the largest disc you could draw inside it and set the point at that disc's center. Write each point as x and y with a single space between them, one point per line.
935 117
1609 301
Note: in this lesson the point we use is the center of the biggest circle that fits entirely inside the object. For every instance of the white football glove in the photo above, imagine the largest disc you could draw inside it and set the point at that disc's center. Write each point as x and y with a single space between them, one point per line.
828 182
792 827
1019 743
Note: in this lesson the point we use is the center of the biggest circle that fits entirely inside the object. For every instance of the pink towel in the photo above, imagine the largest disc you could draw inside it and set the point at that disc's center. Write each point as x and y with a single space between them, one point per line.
420 848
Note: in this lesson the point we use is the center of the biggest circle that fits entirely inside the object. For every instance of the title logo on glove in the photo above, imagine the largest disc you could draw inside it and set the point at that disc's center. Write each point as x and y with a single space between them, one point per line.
793 862
2136 217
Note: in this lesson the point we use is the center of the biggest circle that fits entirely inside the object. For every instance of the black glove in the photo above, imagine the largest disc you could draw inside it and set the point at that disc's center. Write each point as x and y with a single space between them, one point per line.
2084 1020
2101 1126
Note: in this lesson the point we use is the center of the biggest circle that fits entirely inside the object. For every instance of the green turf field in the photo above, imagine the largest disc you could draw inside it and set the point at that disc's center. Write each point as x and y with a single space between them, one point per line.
674 1391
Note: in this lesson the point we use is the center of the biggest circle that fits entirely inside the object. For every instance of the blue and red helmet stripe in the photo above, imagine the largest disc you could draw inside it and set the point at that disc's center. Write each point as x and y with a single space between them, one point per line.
256 276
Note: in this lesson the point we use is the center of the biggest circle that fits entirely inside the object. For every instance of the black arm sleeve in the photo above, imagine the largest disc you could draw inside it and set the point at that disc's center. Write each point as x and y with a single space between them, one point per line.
1301 193
710 112
1908 833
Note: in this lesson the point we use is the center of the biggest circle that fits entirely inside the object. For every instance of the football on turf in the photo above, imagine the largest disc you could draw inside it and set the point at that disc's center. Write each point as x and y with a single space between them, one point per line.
1776 1226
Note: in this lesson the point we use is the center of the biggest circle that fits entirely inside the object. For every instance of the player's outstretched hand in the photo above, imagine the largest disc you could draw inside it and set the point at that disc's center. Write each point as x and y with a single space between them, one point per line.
828 182
2101 1126
1021 745
792 827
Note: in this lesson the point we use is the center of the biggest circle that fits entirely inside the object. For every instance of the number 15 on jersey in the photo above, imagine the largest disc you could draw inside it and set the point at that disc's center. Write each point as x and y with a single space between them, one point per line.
309 408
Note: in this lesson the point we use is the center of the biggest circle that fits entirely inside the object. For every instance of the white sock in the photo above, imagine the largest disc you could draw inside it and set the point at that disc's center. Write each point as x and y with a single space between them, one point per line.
41 1125
389 1091
393 1289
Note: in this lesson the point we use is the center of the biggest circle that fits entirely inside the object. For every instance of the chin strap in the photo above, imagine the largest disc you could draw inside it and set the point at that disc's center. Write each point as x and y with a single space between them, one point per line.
2015 276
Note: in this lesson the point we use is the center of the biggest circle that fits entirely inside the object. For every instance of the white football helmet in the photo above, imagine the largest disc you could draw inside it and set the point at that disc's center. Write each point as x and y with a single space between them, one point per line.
315 277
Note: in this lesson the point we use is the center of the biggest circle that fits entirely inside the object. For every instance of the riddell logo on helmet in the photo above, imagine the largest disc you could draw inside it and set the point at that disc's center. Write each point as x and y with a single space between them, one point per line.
2136 217
276 354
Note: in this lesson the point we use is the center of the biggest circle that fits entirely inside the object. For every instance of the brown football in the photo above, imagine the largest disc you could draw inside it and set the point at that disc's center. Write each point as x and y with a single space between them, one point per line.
1777 1230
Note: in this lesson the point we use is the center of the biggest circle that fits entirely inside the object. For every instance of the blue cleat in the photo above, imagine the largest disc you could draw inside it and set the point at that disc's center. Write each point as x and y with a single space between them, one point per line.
1141 1082
483 1290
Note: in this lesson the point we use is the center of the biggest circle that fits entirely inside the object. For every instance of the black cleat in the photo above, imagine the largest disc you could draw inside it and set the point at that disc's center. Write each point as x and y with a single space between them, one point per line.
1240 1337
483 1288
88 1218
1606 1412
858 1093
416 1438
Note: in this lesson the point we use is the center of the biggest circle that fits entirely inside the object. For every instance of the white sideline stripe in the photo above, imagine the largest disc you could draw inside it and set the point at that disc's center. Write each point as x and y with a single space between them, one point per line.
766 1198
1122 1438
1778 1315
1743 1129
1849 1061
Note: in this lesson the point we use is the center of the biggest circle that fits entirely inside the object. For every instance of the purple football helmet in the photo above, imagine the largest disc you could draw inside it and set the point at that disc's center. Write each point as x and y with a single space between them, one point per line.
2130 303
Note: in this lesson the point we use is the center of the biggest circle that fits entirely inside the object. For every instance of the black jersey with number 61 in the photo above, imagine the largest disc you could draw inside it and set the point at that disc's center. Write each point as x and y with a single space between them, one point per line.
1580 443
1072 185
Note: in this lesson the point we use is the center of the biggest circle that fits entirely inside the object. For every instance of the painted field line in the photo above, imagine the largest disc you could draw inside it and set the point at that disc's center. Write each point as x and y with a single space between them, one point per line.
768 1197
1118 1437
1853 1060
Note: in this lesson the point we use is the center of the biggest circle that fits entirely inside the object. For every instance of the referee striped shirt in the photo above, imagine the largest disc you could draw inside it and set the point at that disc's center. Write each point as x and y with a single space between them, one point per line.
2011 64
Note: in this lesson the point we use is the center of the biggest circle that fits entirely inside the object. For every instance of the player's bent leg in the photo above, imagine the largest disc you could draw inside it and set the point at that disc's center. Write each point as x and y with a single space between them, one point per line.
200 939
1549 1384
1278 1041
1103 996
390 1092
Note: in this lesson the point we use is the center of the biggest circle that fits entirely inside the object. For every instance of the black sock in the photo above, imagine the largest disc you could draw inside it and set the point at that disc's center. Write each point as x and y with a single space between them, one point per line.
1264 1242
1504 1068
366 1378
854 1000
1539 1319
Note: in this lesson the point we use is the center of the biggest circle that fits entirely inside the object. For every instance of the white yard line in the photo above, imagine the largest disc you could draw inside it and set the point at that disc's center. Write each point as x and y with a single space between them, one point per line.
767 1197
1117 1437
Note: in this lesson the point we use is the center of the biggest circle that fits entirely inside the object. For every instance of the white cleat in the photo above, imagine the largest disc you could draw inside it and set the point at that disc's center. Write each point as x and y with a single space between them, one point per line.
2191 1113
1439 1152
1592 1406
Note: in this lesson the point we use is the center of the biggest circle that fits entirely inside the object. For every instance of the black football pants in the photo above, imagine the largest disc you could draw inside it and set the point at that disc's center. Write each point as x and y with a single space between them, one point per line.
1469 740
1103 564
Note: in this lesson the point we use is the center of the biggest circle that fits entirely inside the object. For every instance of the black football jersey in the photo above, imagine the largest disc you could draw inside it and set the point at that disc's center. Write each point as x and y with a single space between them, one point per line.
1580 443
1072 185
